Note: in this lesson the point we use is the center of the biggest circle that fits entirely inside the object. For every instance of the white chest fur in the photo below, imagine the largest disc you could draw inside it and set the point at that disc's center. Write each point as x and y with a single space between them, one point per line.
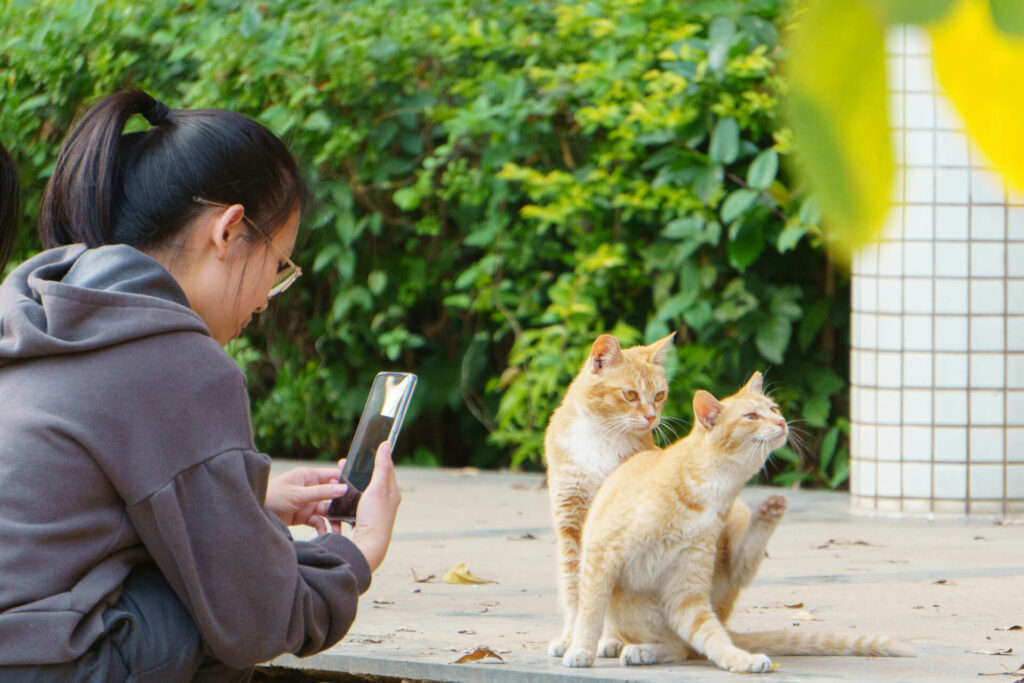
595 451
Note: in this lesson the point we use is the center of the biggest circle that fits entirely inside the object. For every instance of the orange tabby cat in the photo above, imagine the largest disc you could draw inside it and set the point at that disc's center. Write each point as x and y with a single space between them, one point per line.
608 414
654 545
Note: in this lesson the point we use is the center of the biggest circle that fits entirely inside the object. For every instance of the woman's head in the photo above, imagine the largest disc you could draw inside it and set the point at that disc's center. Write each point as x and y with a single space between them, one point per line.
8 206
167 190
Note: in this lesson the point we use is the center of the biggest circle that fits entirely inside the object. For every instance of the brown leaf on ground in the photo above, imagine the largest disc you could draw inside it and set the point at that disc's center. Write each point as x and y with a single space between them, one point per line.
1015 627
525 537
460 574
840 541
420 579
1004 651
478 654
792 605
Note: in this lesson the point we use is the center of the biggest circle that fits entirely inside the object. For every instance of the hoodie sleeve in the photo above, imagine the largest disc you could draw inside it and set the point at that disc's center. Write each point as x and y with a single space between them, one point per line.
253 591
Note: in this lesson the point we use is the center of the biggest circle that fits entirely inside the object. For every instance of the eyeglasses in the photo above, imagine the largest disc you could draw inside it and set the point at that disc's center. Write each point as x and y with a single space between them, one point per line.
287 275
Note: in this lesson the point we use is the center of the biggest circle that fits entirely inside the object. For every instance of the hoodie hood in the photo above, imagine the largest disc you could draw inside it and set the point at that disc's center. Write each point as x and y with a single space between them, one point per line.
72 299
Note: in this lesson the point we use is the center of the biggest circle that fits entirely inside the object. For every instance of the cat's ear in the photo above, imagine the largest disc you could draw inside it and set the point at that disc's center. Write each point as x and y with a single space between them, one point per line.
706 408
659 350
605 353
755 384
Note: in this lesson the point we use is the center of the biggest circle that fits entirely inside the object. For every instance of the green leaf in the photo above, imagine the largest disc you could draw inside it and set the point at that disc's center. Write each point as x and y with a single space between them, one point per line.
790 236
406 198
772 338
725 141
816 411
911 11
737 203
317 121
828 449
31 103
1008 15
746 243
763 169
790 479
787 455
720 35
839 115
377 280
706 182
814 317
683 228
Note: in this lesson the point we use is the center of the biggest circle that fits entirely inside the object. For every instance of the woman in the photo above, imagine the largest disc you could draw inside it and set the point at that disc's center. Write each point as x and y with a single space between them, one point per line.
139 536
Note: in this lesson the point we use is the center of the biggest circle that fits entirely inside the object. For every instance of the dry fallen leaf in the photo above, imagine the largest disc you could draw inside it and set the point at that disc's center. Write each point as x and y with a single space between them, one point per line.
525 537
805 616
1004 651
792 605
478 654
383 602
420 579
460 574
1015 627
841 541
941 582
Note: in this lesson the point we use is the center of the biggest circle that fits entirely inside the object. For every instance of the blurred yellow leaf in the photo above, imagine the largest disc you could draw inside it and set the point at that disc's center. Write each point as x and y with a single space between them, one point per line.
839 116
980 67
478 654
460 574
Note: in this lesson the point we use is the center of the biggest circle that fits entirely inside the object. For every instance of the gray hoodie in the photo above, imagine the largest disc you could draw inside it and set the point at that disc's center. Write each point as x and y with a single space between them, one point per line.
125 438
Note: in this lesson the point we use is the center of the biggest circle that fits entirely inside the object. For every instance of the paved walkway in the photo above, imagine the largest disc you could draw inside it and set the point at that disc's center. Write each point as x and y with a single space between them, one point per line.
948 587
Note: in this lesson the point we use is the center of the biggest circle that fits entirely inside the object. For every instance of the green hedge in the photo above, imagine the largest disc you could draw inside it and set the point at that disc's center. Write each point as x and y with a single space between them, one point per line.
498 183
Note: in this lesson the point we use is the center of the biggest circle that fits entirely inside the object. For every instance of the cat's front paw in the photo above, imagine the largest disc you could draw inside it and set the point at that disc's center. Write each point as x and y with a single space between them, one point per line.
557 648
609 647
639 655
751 664
772 509
578 658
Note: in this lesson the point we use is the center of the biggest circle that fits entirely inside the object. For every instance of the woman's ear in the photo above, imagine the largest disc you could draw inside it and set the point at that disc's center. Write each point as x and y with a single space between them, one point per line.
225 227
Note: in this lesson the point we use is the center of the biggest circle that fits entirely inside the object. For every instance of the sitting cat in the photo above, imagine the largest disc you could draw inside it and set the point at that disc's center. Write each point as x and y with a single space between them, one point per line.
656 570
608 413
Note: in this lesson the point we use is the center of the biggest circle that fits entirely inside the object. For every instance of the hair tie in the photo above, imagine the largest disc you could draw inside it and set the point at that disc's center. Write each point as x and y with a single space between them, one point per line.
157 113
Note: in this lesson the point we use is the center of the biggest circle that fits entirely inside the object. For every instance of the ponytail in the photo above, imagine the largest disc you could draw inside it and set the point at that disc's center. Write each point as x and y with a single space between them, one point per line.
8 206
109 187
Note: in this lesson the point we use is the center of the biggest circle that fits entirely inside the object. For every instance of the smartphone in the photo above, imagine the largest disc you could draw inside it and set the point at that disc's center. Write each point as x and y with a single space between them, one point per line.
381 421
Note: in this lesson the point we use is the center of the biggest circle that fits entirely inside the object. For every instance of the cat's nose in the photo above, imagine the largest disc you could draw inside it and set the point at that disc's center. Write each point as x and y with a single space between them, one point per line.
651 418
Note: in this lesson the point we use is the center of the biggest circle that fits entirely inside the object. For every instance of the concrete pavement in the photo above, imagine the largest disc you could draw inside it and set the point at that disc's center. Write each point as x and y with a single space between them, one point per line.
951 588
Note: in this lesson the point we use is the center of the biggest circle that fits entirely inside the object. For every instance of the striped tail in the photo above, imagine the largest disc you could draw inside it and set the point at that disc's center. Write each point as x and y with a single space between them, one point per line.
796 643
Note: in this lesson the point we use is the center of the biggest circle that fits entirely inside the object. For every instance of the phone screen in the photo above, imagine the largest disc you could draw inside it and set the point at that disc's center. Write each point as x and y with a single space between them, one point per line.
381 421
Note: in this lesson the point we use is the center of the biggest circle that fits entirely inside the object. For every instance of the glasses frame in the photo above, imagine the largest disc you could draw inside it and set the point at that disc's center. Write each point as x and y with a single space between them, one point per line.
284 279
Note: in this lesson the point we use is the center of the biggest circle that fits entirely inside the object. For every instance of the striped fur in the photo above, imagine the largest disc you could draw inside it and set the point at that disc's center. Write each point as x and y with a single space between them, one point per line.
667 546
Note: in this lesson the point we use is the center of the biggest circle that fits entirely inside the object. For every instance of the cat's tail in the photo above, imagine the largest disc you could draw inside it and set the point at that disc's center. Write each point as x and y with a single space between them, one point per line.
796 643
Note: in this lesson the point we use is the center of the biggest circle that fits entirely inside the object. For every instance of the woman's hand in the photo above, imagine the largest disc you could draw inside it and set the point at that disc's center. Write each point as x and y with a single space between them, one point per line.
302 495
378 506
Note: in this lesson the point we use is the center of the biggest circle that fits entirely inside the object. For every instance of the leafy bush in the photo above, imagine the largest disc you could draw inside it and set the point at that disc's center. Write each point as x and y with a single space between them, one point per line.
497 184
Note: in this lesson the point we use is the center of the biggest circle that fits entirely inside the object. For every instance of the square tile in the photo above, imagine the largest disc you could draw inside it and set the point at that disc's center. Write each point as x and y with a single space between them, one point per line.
986 482
986 407
917 332
987 187
894 73
895 41
917 407
986 444
867 330
890 482
950 333
987 370
1015 444
865 293
950 481
951 295
890 295
985 508
946 117
987 296
1015 260
951 222
889 444
1015 482
1015 333
920 111
951 259
951 370
1015 371
865 261
917 259
951 148
919 221
888 409
917 369
1014 296
988 222
917 443
987 333
1015 222
863 483
890 259
920 150
1015 408
950 444
890 369
917 295
890 336
917 480
868 406
917 41
867 364
918 73
951 186
988 259
950 407
897 110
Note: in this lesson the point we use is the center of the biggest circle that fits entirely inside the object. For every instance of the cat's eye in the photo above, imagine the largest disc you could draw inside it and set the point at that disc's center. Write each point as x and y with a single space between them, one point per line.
659 397
752 416
630 395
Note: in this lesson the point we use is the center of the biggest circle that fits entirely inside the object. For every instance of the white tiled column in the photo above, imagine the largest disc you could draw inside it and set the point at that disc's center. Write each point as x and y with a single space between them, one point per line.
937 360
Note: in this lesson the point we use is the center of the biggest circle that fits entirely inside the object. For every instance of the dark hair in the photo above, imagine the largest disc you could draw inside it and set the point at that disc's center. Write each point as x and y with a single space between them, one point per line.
8 206
109 187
